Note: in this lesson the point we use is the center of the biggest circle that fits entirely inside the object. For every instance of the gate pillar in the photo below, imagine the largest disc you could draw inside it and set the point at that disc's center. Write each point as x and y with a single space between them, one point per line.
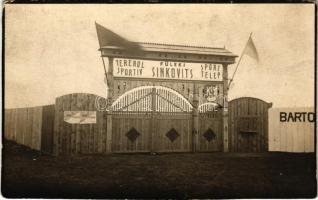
195 117
110 94
153 111
225 110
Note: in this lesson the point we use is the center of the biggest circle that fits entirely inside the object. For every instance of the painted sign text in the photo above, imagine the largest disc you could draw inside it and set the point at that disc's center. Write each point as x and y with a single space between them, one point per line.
167 70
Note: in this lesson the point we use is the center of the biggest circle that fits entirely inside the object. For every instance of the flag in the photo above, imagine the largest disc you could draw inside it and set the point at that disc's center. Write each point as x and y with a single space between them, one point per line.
107 37
250 49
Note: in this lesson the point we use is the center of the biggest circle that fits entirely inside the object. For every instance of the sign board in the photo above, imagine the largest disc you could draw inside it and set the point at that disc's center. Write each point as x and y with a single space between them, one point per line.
156 69
80 117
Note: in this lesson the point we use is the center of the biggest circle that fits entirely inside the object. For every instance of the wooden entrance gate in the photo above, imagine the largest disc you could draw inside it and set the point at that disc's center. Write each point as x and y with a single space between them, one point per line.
151 119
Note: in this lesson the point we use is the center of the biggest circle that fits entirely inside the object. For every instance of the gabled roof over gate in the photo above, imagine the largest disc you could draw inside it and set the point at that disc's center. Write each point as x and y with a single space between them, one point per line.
109 40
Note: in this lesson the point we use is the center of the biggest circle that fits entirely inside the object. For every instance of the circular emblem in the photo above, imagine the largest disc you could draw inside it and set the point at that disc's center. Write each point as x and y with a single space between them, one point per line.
211 93
101 103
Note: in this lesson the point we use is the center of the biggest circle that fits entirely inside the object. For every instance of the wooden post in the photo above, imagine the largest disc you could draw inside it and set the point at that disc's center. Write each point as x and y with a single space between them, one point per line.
153 112
110 94
195 117
56 128
225 110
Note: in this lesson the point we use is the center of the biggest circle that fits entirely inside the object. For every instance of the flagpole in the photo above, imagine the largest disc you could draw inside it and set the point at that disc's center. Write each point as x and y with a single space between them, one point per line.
238 63
104 67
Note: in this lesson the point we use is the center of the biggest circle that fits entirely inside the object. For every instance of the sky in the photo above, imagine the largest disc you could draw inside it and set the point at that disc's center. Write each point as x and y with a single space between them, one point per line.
52 50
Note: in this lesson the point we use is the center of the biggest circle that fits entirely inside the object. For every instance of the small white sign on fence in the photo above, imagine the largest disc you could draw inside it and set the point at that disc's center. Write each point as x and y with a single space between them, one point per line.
80 117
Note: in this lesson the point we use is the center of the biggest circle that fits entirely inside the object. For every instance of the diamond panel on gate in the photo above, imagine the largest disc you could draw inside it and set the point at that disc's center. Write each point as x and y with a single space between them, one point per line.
132 134
209 135
172 134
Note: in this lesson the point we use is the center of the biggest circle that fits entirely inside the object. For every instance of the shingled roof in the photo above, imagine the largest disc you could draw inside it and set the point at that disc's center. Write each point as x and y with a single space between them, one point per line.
185 49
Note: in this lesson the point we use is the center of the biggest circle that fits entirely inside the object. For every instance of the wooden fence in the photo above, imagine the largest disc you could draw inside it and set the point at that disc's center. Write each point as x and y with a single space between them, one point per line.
291 136
32 127
252 128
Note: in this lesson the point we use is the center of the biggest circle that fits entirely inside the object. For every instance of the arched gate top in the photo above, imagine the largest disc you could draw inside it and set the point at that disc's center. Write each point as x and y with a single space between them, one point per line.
148 98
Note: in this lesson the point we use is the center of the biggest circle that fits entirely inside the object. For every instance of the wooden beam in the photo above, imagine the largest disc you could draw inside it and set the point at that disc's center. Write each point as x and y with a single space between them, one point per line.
110 94
195 118
225 110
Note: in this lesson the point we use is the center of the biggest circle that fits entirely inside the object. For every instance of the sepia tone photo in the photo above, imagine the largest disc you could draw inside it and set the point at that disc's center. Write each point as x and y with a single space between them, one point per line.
159 101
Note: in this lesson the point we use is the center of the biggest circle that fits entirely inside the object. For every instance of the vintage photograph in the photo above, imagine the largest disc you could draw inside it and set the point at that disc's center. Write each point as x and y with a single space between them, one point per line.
159 101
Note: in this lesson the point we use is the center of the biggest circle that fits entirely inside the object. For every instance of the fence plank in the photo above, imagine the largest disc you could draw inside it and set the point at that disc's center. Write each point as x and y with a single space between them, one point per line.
47 128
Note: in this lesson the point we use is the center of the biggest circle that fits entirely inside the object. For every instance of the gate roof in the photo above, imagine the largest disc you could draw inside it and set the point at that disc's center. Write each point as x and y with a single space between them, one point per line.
112 43
173 48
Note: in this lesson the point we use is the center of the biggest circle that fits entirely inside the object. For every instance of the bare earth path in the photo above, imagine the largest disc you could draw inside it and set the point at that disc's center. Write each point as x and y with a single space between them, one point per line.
25 173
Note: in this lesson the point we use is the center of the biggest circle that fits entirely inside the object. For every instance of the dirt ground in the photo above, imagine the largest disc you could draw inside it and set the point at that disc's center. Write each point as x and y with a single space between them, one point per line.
26 173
